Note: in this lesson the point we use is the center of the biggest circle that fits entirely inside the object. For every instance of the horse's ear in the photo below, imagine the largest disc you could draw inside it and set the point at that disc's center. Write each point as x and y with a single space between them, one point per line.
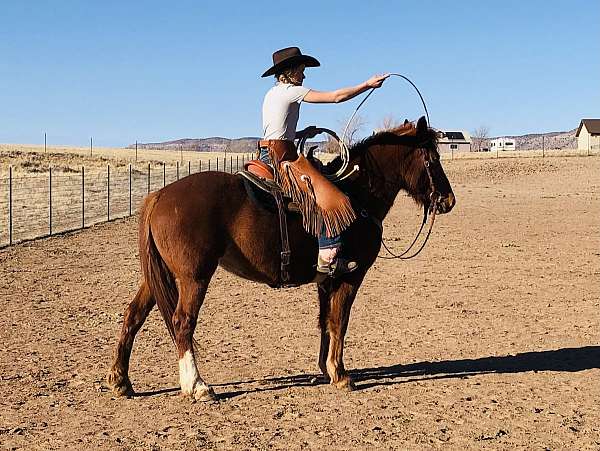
405 121
422 125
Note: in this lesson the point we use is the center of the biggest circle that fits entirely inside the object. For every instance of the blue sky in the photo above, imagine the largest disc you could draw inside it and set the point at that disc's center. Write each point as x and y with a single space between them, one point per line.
155 70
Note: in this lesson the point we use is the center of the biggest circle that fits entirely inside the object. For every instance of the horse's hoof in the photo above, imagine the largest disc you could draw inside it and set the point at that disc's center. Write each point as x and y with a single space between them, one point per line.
121 386
205 394
345 384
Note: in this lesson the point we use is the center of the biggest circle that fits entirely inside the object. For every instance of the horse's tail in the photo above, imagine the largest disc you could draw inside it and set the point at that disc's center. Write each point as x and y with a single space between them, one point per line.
159 278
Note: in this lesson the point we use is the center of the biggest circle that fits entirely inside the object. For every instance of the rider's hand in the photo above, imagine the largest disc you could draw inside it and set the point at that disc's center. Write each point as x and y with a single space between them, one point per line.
377 80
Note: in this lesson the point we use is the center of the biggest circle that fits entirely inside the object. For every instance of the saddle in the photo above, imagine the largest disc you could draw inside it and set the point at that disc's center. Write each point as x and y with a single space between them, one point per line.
324 208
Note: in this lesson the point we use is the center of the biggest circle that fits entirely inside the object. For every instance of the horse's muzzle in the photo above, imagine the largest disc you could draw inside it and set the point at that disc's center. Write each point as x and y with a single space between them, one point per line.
446 203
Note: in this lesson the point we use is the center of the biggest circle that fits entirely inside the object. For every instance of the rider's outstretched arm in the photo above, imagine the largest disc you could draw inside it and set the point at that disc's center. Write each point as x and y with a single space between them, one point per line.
343 94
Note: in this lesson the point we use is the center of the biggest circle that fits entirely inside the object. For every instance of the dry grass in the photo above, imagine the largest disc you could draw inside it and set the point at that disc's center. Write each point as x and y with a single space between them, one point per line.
81 198
27 159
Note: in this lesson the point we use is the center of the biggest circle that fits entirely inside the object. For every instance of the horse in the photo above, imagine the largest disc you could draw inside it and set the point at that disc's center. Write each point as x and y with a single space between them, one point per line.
205 220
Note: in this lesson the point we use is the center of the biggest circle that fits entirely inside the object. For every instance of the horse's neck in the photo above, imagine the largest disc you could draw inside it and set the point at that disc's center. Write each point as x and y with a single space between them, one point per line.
382 181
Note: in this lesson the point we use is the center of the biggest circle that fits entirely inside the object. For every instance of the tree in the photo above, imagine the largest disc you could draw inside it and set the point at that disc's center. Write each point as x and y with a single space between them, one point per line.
354 127
388 122
480 136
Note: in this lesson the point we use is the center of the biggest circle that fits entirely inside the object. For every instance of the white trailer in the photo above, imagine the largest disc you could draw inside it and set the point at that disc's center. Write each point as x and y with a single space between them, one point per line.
502 144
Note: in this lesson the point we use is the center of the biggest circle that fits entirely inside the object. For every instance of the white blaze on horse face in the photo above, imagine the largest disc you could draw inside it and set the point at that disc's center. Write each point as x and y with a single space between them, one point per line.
188 373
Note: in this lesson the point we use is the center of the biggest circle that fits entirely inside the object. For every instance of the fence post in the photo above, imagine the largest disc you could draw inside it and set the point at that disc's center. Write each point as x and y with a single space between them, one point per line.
199 165
129 189
543 147
189 167
237 162
209 164
164 175
231 163
108 192
217 163
224 164
82 197
91 145
148 178
50 201
10 216
177 170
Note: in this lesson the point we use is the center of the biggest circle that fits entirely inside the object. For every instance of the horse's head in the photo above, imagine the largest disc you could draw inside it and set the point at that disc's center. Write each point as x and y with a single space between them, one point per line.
426 180
404 158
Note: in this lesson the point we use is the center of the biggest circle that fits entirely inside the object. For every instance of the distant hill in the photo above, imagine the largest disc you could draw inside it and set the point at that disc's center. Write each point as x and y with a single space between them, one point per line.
534 141
552 140
214 144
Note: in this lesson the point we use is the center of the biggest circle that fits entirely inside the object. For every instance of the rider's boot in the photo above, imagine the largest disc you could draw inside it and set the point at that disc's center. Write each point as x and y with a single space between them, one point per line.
333 265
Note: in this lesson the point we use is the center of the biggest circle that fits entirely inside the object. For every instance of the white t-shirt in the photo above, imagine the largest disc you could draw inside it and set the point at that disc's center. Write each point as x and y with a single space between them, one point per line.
281 109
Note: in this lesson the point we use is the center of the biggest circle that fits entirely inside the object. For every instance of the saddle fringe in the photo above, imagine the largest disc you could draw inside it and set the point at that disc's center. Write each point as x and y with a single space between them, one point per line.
315 218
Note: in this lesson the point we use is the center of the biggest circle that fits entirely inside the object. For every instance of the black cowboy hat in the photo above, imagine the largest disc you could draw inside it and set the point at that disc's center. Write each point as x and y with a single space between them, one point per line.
289 57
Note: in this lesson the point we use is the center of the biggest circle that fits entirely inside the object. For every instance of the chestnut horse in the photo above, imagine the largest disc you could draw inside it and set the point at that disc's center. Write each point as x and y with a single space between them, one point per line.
192 226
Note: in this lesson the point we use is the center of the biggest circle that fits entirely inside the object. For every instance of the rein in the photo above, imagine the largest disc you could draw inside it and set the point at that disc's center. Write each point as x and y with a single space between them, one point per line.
434 196
431 208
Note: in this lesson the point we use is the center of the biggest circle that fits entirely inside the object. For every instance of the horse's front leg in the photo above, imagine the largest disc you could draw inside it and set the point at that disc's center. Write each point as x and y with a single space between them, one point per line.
342 296
324 296
191 296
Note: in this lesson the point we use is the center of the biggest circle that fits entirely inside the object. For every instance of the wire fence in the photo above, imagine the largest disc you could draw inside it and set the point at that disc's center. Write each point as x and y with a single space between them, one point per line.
41 205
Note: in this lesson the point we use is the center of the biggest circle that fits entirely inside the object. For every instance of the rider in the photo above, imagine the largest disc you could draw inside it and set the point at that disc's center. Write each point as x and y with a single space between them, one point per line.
280 113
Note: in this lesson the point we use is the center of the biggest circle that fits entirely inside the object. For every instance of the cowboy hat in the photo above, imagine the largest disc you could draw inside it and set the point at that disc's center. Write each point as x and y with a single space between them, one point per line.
289 57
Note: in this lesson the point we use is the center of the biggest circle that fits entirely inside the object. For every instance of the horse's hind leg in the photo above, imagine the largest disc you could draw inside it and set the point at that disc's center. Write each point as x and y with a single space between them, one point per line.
191 296
135 315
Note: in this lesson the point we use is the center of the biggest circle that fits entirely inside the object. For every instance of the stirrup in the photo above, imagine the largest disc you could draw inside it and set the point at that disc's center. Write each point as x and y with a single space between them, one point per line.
338 267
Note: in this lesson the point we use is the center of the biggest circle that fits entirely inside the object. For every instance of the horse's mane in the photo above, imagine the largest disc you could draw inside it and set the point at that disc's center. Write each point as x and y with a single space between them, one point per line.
404 134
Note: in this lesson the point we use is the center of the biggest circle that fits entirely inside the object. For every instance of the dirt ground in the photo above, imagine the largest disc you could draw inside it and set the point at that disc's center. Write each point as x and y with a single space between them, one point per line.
488 340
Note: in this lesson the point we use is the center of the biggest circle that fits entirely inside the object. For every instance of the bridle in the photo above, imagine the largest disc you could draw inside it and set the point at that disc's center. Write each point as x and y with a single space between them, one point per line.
431 208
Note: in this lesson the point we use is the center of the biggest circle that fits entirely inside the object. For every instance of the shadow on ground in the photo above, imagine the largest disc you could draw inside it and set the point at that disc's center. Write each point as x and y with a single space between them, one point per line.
561 360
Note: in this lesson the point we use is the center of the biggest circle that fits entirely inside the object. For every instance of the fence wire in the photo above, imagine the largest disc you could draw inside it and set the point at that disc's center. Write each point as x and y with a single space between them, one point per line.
34 206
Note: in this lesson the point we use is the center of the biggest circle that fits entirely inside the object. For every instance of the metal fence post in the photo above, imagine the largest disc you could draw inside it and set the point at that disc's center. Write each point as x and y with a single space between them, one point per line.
82 197
164 175
108 192
129 189
209 164
199 165
177 170
237 162
148 178
217 163
10 215
50 201
189 167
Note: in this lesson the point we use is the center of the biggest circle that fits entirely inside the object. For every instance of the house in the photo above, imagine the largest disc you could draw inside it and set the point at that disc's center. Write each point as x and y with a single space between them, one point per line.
454 142
588 134
502 144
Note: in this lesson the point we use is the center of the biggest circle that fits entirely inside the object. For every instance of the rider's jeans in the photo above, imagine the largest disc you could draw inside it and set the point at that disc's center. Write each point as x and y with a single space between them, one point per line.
325 242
